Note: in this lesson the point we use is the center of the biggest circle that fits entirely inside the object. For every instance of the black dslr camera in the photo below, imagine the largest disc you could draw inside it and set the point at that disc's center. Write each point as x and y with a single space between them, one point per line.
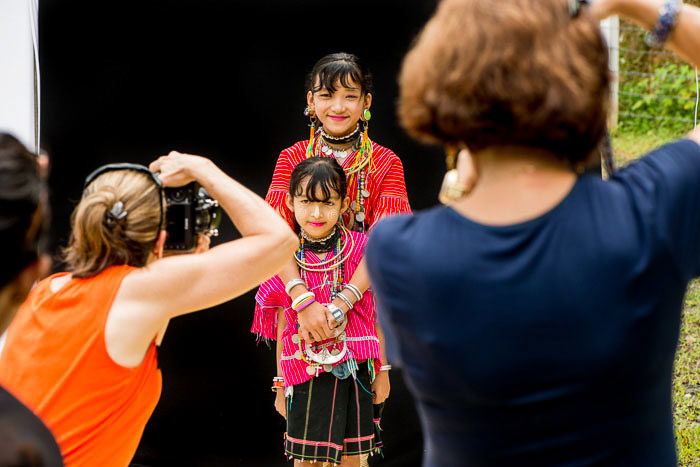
190 212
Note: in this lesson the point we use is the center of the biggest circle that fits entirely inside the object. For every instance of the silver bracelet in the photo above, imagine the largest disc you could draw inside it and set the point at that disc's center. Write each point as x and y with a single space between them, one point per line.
355 291
293 283
385 368
666 22
344 299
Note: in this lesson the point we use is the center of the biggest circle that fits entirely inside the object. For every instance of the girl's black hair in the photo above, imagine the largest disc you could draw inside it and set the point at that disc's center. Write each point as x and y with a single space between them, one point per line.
21 189
339 67
324 173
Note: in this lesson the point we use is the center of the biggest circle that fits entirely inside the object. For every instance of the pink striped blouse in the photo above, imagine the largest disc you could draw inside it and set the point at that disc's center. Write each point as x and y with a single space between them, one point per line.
362 340
385 183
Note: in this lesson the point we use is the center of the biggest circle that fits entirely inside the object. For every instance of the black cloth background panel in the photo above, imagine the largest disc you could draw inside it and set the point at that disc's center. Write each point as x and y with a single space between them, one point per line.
131 80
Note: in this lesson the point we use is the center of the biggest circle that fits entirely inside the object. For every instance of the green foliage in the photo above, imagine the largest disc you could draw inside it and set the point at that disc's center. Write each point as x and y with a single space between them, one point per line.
669 93
661 84
686 382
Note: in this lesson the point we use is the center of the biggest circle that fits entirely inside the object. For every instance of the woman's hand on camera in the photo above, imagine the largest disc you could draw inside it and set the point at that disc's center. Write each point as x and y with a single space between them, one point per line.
203 243
178 169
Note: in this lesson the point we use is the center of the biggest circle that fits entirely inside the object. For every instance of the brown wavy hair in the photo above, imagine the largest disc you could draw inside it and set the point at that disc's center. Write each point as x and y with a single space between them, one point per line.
490 73
96 241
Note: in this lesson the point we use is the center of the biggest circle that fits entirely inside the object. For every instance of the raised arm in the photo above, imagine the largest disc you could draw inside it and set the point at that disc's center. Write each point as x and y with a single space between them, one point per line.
177 285
684 39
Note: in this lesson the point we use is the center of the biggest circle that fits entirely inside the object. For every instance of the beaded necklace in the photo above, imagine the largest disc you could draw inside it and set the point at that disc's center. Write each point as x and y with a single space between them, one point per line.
340 254
337 283
357 172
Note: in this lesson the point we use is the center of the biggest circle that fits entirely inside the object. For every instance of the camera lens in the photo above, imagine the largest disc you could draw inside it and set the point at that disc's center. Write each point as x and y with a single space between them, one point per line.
177 195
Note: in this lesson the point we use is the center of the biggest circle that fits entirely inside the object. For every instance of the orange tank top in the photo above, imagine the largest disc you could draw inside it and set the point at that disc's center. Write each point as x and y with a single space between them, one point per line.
55 360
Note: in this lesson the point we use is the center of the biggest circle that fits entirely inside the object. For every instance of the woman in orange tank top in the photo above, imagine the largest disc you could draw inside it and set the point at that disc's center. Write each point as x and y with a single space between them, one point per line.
81 352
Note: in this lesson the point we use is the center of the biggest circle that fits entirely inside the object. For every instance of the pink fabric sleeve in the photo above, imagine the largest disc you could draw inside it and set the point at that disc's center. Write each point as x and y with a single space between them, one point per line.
393 198
270 297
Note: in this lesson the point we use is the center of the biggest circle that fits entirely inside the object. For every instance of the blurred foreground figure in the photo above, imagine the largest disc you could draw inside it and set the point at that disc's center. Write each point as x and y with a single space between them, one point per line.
537 314
24 439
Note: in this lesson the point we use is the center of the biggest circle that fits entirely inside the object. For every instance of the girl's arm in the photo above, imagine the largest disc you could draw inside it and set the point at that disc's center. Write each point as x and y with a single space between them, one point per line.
280 404
314 319
176 285
381 387
359 279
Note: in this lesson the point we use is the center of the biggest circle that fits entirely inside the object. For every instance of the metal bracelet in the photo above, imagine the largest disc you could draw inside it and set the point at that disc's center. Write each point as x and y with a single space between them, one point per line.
385 368
668 17
293 283
345 300
355 291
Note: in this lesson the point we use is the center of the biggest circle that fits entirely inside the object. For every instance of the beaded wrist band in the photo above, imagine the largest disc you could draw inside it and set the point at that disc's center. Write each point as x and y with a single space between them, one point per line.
293 283
668 16
302 301
277 383
385 368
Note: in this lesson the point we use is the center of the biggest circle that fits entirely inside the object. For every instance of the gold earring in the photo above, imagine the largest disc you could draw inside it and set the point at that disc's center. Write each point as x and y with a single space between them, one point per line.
451 189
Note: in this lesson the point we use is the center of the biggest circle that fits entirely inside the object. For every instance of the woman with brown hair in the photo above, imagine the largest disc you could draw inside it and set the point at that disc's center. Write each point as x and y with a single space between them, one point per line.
81 352
536 315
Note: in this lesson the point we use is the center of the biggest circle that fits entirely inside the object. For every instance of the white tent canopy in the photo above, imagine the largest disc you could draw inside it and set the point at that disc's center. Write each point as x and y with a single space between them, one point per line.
19 67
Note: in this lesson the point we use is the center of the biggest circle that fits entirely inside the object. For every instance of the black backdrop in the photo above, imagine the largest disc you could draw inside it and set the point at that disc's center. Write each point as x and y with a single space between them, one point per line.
130 80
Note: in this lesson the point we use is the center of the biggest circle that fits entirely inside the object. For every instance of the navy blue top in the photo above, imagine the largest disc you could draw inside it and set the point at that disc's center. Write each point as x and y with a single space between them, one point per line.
549 342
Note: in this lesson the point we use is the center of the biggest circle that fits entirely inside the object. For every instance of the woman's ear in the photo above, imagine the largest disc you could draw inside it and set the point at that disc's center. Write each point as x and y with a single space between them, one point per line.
160 244
288 201
368 100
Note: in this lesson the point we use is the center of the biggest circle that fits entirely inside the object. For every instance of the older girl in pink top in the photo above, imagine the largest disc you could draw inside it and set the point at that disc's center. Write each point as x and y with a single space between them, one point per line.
326 389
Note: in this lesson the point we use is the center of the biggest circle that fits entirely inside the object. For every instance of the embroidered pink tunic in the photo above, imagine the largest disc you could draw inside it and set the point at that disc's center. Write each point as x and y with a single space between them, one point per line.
362 340
385 184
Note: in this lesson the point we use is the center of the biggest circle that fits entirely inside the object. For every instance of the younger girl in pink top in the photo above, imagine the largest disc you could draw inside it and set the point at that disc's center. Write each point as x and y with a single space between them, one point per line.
325 389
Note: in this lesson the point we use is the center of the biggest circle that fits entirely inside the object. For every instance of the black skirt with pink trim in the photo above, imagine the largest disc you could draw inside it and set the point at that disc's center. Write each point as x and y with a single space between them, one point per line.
328 418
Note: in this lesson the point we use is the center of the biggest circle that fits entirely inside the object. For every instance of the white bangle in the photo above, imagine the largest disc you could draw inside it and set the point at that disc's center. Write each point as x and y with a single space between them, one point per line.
345 300
385 368
293 283
355 291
